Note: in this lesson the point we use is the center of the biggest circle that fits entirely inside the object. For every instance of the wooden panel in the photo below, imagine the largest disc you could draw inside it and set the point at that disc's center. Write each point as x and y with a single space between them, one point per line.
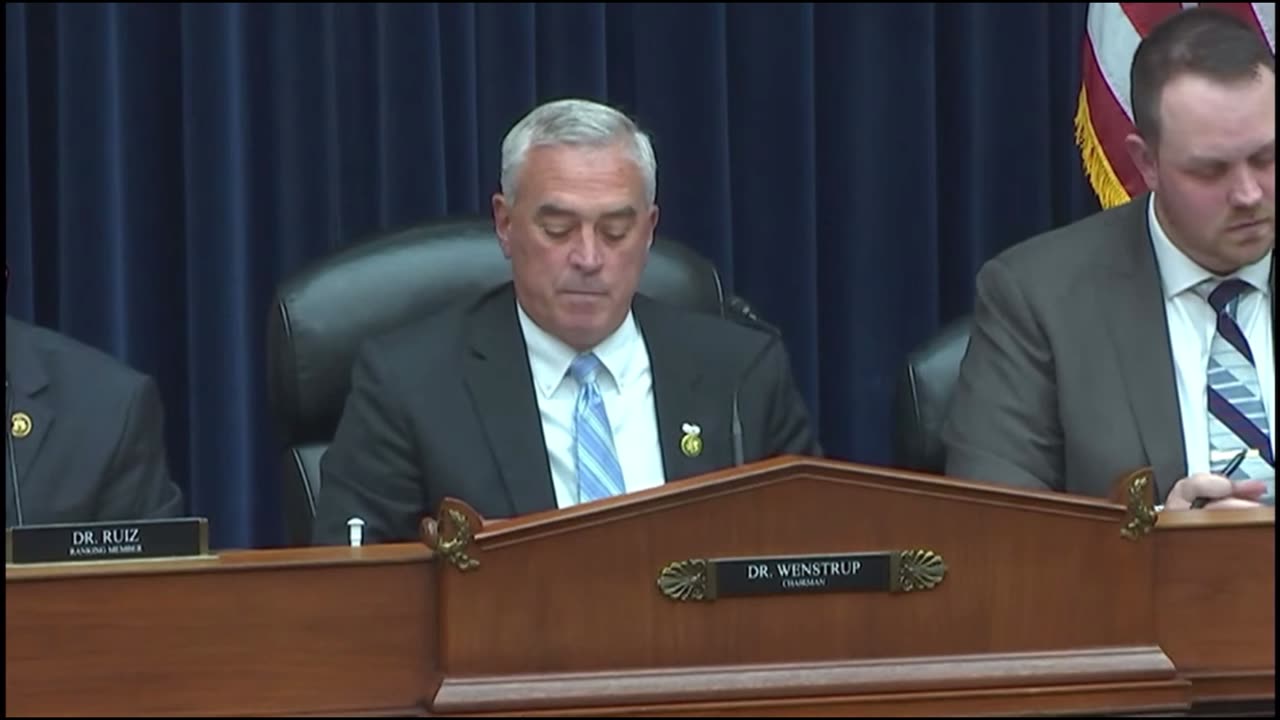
1027 572
1215 608
249 633
1145 670
1104 699
1045 609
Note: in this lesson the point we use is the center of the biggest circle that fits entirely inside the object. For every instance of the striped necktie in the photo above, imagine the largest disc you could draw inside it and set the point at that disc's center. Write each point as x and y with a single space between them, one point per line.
599 473
1237 415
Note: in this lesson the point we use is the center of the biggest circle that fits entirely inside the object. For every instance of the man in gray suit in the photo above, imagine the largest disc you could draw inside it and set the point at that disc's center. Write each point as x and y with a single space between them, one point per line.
563 385
86 435
1142 335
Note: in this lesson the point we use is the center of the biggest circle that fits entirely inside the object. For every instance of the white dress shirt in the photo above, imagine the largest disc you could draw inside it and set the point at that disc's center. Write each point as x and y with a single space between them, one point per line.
626 384
1192 324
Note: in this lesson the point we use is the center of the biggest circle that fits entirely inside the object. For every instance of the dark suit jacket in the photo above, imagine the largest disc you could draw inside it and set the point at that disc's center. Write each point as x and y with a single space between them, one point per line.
1068 382
95 451
446 407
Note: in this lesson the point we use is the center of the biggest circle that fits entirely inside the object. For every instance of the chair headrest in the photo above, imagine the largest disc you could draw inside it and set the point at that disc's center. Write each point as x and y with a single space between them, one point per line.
322 314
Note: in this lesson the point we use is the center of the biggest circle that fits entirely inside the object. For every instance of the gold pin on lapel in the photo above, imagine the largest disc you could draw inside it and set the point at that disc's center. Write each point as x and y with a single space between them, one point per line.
691 443
20 425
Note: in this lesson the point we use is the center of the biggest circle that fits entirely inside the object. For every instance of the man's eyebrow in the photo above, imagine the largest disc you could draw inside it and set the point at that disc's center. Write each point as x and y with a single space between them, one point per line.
553 210
1209 160
625 213
550 209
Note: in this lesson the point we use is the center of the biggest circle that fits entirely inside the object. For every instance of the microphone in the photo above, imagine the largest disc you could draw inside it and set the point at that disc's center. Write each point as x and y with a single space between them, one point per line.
739 311
8 449
737 431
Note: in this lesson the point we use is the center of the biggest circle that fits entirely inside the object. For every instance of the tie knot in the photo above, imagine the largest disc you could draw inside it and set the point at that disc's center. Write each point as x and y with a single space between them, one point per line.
1224 293
584 368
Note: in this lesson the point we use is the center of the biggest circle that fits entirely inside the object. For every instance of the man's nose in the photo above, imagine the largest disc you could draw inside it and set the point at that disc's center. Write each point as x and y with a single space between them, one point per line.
588 254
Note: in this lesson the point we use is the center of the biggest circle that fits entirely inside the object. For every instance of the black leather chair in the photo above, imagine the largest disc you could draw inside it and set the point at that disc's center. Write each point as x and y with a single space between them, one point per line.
321 315
923 396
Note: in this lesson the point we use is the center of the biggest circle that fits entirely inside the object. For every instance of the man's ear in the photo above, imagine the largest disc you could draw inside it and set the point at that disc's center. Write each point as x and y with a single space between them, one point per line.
653 224
502 223
1143 155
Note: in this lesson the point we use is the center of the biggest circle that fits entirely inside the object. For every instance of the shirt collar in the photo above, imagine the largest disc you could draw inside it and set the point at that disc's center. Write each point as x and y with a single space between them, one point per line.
549 356
1179 273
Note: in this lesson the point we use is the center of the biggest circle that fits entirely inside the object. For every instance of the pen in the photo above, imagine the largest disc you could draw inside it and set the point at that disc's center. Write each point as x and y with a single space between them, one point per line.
1226 473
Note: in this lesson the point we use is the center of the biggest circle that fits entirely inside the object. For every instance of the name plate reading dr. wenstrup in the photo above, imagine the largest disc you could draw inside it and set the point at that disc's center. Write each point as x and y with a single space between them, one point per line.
131 540
891 571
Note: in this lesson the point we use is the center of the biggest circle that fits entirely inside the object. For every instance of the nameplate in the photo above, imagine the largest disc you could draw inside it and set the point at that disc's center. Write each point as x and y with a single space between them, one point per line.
892 571
131 540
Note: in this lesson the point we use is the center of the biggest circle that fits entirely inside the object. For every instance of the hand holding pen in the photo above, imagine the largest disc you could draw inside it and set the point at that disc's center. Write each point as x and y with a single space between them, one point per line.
1231 467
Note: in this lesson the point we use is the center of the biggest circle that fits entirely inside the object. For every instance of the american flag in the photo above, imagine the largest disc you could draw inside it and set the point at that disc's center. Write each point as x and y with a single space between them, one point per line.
1103 113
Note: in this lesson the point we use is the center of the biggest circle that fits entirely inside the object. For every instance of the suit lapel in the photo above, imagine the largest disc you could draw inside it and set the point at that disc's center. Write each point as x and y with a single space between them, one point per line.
1132 300
501 385
27 380
683 395
26 449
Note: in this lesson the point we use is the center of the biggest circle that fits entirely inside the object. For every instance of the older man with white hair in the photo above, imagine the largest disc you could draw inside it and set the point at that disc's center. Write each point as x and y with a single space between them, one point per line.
564 385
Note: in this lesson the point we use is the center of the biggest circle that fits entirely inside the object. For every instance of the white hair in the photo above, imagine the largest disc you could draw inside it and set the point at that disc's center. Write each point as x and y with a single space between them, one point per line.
575 122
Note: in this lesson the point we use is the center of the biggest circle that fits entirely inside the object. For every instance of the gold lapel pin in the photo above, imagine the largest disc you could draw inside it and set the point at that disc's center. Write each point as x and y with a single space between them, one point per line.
20 425
691 443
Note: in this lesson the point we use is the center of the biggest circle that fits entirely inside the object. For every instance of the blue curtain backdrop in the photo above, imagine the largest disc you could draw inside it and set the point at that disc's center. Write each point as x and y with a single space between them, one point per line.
847 167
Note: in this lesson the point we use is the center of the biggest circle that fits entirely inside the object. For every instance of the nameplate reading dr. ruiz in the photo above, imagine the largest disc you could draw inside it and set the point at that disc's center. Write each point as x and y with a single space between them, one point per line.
132 540
890 571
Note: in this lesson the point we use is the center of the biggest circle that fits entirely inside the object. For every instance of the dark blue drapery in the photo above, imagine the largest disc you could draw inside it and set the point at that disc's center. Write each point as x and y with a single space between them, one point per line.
848 168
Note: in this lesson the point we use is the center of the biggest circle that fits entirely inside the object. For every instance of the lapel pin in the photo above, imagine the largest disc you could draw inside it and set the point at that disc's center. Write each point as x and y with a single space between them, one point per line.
20 425
691 443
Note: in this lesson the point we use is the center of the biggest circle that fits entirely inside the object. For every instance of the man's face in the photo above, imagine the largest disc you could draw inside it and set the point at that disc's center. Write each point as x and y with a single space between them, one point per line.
578 237
1213 169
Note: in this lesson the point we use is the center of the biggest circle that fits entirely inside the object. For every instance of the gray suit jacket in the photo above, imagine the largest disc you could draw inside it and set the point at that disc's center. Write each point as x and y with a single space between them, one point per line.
445 407
1068 382
95 451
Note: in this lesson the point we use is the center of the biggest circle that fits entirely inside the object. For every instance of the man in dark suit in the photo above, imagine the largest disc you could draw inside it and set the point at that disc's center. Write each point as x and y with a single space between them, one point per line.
86 435
1141 336
563 386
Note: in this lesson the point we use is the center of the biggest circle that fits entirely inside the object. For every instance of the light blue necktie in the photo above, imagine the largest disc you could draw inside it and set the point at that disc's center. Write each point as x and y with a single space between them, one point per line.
599 473
1237 415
